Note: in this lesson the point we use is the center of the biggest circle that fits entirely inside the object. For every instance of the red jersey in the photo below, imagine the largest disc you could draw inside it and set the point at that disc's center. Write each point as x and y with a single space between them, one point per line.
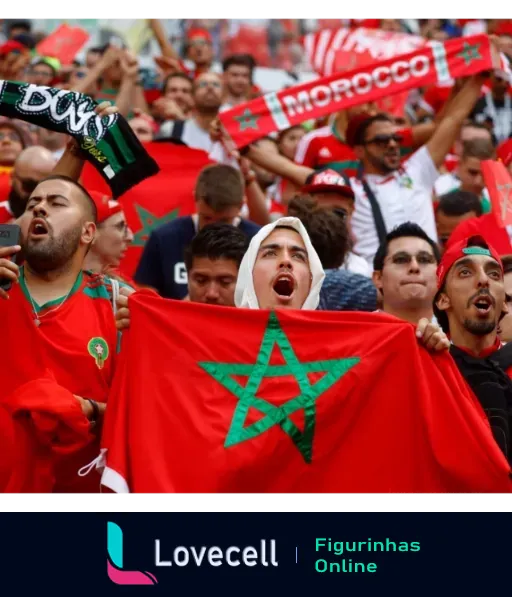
76 340
324 148
5 183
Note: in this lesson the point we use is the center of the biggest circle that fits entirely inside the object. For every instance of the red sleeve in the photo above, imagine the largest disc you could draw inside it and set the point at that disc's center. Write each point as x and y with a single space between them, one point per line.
306 153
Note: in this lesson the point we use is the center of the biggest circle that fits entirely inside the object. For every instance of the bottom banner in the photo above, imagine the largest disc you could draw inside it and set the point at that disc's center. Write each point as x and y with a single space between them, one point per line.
268 554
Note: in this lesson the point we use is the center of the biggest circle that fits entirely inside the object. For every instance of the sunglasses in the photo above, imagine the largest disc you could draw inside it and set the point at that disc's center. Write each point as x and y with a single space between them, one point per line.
198 42
384 140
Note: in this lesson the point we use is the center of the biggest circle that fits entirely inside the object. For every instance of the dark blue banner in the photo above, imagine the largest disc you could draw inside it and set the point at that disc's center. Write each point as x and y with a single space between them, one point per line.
269 554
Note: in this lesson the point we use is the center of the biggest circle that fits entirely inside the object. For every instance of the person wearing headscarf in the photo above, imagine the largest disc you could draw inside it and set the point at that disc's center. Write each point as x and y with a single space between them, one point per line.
281 269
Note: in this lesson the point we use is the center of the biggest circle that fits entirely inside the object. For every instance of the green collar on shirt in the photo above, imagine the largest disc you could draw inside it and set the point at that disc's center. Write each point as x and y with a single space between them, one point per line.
51 303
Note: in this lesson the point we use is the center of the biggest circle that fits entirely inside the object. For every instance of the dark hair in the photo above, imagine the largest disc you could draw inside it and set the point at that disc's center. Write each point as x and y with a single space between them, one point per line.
359 135
220 186
22 24
45 63
177 75
326 228
401 231
239 60
458 203
482 149
284 132
507 264
441 316
92 205
217 241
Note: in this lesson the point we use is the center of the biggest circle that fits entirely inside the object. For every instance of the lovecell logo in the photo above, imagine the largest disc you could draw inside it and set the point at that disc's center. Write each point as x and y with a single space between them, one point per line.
116 573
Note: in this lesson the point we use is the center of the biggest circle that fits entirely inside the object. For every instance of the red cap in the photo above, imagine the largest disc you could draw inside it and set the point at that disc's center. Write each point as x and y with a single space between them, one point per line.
105 206
354 124
327 181
11 46
504 152
468 246
199 33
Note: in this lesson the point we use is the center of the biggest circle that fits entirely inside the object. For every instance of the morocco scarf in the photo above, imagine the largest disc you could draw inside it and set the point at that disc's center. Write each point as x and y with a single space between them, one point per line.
108 143
435 63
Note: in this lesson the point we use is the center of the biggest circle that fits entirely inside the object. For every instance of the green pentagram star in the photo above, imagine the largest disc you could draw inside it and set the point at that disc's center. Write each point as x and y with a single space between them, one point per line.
469 53
247 120
334 369
149 222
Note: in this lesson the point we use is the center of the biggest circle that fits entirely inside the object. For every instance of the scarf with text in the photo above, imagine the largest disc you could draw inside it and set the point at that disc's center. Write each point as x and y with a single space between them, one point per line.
436 63
108 143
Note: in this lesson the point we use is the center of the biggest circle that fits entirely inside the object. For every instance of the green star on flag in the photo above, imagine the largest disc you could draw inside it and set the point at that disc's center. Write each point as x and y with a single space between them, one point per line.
247 397
247 120
149 222
469 53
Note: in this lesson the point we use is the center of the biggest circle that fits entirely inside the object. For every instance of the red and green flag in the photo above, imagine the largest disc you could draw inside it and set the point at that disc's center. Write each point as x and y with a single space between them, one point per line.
158 199
235 400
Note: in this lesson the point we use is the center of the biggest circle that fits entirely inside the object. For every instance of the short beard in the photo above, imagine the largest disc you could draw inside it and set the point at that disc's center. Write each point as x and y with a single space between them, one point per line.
380 164
479 328
53 254
17 203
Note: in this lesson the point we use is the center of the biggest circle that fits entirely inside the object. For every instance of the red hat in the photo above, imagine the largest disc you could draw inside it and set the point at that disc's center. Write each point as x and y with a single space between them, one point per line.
354 124
11 46
199 33
327 181
105 206
504 152
474 245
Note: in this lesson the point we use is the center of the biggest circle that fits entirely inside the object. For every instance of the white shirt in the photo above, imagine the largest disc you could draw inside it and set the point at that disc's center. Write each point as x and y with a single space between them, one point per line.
403 196
357 265
193 135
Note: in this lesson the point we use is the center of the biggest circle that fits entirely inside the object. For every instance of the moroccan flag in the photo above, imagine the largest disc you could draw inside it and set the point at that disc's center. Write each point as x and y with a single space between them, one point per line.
158 199
64 43
436 63
499 184
236 400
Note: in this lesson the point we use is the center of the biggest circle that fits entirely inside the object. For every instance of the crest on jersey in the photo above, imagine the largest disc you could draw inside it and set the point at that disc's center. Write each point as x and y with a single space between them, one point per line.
98 349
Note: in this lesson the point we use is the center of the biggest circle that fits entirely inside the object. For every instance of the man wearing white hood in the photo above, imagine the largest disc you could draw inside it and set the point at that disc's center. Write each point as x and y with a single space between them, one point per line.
282 270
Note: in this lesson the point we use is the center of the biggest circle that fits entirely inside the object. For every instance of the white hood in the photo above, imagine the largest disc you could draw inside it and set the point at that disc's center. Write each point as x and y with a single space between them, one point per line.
245 295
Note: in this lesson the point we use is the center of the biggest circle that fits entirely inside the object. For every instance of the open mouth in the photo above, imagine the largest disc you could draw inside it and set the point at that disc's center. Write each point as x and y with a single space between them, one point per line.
483 304
38 227
284 286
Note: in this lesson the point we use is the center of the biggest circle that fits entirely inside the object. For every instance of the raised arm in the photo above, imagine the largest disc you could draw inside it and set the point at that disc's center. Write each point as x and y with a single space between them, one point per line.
456 113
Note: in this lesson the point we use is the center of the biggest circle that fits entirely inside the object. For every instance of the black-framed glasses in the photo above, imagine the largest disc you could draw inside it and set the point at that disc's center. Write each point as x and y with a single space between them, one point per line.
384 140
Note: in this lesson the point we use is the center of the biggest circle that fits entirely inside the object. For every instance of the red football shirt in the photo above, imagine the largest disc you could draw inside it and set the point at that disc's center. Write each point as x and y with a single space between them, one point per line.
76 340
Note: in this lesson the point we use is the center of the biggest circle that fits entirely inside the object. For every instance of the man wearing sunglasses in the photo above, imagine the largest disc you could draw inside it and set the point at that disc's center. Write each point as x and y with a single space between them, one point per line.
389 193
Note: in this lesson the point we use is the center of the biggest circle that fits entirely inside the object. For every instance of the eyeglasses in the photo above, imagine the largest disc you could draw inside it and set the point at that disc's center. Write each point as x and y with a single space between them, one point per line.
404 258
40 73
120 227
214 84
11 135
384 140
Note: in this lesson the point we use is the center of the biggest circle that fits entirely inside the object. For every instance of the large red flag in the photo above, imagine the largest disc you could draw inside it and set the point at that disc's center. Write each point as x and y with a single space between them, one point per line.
233 400
158 199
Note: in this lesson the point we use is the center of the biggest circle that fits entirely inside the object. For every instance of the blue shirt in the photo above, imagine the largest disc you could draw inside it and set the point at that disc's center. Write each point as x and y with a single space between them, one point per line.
346 291
162 263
